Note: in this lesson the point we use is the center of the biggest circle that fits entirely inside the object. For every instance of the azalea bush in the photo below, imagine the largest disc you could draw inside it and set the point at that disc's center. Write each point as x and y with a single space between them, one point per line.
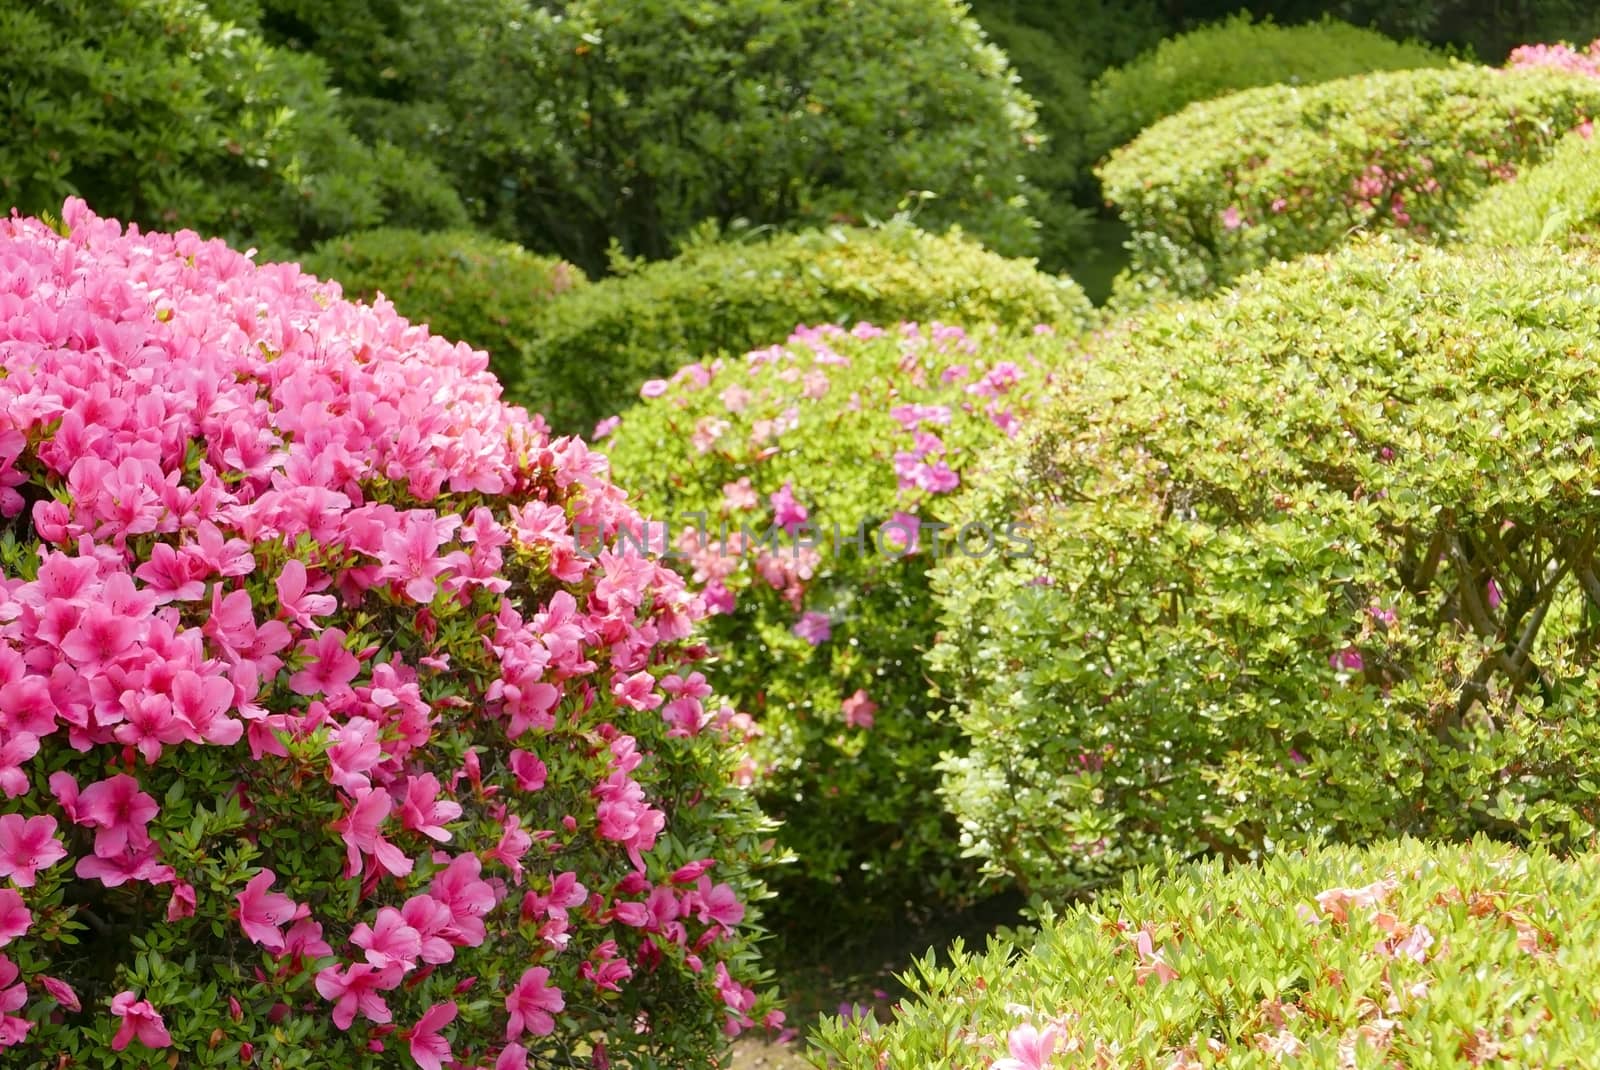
1558 201
586 356
1563 57
1226 186
324 743
462 285
801 486
1402 954
1236 54
1314 559
167 113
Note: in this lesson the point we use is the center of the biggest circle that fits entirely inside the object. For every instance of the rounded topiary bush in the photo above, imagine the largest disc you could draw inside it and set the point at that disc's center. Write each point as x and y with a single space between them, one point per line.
1232 55
324 744
1228 185
588 353
801 486
1316 558
1558 201
165 113
1403 954
462 285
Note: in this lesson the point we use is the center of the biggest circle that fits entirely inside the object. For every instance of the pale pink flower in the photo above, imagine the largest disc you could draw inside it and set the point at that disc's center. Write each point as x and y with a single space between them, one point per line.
28 845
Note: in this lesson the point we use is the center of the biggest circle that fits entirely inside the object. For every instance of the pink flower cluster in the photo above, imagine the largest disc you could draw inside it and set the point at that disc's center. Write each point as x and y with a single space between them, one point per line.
238 488
1561 57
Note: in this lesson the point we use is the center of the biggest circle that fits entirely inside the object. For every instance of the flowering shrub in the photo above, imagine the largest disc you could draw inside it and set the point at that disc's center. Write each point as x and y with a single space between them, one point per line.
1314 559
1561 57
1232 55
322 744
1557 201
165 112
1228 185
786 455
462 285
587 354
1402 954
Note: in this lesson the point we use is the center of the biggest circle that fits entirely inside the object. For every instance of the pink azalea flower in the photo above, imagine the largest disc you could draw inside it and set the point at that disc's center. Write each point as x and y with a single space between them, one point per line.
13 996
1231 219
390 942
295 602
28 845
532 1004
788 513
1346 660
429 1050
739 494
605 427
356 988
813 627
181 904
1030 1048
529 771
61 992
858 710
139 1020
361 828
15 917
330 669
262 914
119 812
13 753
422 811
653 388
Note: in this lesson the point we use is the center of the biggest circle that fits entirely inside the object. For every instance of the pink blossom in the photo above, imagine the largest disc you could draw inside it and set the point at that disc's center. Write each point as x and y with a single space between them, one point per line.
813 627
605 427
653 388
1347 660
532 1004
139 1020
28 845
858 710
13 996
389 942
1231 219
119 812
361 829
61 992
181 903
262 914
788 513
739 494
293 600
1030 1048
329 668
356 988
15 917
529 771
429 1050
423 811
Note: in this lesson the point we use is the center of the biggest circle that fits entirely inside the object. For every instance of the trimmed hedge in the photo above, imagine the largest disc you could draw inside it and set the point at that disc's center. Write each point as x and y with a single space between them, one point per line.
766 469
464 285
1236 54
1226 186
588 353
166 113
1318 558
1403 954
1558 201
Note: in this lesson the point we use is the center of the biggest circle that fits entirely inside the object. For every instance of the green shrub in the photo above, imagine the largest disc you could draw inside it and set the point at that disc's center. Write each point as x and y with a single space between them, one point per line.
589 352
1233 55
158 112
568 126
1316 558
1227 185
1403 954
1557 201
845 432
464 285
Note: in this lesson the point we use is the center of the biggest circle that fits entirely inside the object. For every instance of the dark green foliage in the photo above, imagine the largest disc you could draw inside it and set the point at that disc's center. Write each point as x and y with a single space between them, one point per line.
1316 558
589 353
1404 954
161 112
465 286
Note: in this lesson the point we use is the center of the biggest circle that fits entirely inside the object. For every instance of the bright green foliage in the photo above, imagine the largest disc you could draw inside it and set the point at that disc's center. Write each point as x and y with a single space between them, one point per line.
1403 954
1233 55
1557 201
572 125
1317 558
1225 186
589 352
823 644
162 113
464 285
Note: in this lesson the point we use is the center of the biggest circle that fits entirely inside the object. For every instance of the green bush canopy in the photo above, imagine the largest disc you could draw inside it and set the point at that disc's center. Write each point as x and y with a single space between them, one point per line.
588 354
1315 559
1558 201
